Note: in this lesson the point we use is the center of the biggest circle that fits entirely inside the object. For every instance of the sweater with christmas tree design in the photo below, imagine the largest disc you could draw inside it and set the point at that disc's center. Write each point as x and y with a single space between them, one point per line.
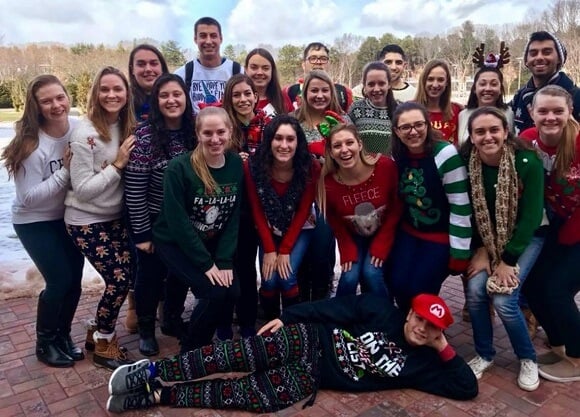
434 189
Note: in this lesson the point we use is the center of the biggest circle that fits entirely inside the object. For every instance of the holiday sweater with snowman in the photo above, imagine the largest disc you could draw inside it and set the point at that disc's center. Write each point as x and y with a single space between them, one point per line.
203 224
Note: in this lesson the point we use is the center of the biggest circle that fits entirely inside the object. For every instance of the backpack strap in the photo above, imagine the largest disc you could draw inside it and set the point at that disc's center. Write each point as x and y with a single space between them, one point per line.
236 68
188 75
343 98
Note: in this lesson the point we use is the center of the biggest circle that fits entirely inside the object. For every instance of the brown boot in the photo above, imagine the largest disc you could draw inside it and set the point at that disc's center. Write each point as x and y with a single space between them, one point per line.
91 326
108 354
531 322
131 319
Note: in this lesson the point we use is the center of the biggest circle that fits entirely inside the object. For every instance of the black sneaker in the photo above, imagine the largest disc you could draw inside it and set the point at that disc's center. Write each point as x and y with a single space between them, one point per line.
128 378
136 400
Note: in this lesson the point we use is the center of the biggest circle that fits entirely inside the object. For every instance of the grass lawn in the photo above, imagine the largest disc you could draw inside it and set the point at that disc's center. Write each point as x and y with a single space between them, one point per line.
9 115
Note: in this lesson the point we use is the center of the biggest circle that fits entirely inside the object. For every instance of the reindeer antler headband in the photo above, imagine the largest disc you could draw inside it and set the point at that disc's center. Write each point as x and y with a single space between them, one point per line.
491 60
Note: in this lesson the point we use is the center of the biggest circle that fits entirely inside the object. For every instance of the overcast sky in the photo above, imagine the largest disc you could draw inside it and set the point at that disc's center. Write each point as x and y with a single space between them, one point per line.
248 22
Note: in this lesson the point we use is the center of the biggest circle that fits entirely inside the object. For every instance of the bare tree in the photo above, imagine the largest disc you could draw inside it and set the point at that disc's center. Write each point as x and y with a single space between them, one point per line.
562 17
344 59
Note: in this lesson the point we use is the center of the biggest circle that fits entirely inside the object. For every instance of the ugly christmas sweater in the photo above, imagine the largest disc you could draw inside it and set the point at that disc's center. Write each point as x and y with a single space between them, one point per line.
204 224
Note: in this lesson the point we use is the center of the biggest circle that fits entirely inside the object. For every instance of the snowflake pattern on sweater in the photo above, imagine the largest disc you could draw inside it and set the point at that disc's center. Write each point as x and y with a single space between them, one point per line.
374 126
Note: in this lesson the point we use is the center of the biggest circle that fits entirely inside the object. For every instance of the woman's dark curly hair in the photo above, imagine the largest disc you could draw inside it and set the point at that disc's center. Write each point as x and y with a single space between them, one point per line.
159 131
262 163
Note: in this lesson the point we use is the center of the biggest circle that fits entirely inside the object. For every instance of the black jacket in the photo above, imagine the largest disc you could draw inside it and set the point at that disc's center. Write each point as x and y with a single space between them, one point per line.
523 99
363 349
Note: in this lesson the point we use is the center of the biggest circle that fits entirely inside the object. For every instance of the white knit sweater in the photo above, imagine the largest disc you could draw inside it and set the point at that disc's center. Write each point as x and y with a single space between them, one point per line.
97 188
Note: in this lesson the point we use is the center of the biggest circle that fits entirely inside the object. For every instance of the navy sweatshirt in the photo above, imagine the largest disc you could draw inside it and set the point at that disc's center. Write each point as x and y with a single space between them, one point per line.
364 349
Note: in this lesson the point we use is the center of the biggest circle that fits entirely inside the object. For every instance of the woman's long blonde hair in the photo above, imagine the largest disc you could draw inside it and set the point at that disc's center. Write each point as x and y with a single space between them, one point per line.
98 116
198 162
566 151
303 114
27 128
330 167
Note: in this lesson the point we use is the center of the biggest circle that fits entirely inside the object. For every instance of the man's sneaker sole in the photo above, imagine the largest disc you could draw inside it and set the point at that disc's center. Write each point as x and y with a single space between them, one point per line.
118 370
532 387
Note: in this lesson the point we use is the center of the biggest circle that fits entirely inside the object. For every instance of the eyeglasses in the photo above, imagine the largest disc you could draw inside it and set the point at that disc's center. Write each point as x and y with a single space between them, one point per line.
313 59
418 126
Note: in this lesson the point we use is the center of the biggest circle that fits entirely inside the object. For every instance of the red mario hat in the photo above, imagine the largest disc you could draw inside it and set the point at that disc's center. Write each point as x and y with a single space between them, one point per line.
433 309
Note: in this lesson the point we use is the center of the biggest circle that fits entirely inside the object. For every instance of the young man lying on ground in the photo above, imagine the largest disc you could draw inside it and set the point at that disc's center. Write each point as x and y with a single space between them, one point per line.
351 343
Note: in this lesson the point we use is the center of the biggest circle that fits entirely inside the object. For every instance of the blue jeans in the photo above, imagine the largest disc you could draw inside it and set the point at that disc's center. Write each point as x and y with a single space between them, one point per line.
371 278
276 283
317 270
61 265
416 266
506 306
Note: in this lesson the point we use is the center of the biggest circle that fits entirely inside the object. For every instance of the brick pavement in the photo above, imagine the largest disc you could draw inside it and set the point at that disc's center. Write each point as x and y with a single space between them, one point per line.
28 388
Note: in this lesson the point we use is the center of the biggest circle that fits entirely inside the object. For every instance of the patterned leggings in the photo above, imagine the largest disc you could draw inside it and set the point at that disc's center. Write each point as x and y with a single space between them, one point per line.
283 370
106 246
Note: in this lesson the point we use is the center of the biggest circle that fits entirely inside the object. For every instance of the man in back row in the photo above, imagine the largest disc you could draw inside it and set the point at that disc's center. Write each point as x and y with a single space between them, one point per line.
544 56
316 57
393 57
207 75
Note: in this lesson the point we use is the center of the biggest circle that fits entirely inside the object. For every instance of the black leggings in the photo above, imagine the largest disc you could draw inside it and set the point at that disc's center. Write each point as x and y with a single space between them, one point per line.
213 300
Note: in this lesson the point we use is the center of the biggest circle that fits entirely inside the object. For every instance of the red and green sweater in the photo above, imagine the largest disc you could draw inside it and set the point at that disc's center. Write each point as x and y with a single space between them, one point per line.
437 208
371 209
562 193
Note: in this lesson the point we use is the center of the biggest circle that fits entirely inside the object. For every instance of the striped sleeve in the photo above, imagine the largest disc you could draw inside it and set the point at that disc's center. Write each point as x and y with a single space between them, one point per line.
454 178
137 179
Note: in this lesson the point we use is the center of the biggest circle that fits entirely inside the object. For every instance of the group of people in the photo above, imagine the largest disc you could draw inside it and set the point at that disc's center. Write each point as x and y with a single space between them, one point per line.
177 182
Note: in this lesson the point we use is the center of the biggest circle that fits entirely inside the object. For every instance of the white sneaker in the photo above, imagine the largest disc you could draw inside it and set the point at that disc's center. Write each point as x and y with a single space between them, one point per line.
528 379
479 365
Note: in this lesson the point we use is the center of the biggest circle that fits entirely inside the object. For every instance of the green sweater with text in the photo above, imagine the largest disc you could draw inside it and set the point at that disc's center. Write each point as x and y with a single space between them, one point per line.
204 225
